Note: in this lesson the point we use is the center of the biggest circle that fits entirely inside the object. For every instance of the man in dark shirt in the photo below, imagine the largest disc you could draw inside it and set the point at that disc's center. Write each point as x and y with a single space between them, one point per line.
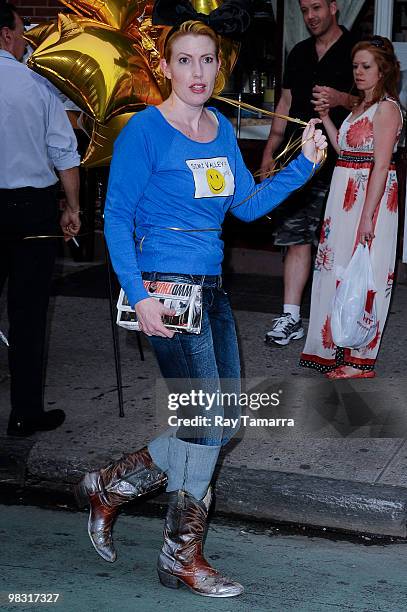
318 75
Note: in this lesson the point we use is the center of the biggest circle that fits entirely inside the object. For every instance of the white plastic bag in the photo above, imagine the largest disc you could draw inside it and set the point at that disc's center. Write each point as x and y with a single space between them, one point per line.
354 320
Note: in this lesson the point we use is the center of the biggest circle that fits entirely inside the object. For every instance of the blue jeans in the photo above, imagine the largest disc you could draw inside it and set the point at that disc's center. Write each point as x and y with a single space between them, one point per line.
208 362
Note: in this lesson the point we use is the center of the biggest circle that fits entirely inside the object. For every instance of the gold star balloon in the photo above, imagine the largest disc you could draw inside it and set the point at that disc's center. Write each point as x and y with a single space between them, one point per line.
100 149
117 13
105 58
37 35
102 70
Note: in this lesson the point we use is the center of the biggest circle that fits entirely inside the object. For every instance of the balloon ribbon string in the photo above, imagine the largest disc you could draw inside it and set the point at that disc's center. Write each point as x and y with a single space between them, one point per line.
256 110
287 153
53 236
290 149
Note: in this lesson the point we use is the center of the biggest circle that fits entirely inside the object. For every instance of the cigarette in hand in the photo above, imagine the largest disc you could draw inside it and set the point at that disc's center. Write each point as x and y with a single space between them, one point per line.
3 338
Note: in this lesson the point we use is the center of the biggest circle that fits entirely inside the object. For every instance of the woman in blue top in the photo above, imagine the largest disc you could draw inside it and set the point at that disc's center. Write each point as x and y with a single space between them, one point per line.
176 171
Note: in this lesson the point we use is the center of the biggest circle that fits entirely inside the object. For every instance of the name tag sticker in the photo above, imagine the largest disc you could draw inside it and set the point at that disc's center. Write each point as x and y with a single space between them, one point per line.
212 177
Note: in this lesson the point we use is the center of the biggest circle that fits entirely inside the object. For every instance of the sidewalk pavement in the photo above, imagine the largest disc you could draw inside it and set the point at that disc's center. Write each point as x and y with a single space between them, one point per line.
342 465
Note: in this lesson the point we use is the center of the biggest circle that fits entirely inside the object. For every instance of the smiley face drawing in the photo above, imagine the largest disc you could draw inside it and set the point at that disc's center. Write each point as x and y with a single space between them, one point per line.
216 181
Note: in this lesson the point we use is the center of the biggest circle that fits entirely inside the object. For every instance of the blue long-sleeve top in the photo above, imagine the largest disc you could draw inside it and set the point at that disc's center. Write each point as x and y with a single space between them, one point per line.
160 179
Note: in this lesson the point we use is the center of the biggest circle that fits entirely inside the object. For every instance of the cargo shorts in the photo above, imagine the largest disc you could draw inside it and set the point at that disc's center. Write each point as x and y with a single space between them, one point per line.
298 220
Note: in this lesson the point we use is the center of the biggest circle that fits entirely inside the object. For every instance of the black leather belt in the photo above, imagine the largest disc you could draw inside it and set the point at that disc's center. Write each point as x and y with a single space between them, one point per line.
27 190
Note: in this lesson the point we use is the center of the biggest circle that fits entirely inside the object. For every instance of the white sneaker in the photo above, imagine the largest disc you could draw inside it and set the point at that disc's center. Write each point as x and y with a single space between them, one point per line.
284 329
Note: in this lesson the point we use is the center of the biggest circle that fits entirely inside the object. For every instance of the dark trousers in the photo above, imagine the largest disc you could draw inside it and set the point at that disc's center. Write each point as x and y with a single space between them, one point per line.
28 265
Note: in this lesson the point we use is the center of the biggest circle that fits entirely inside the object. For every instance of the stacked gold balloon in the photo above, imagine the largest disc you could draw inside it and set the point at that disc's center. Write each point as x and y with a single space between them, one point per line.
105 57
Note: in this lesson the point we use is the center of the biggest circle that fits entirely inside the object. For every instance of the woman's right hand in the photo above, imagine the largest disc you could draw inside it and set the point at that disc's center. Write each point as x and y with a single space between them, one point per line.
321 107
149 315
313 142
323 114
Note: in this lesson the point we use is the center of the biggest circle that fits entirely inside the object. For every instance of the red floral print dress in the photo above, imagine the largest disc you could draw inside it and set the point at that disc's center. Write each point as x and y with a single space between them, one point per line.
338 240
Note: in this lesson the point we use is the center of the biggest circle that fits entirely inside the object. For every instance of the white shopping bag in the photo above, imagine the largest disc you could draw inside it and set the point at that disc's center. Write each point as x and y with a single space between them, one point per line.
354 321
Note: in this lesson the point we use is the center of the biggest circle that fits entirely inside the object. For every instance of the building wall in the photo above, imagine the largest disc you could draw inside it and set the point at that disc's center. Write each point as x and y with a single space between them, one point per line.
39 10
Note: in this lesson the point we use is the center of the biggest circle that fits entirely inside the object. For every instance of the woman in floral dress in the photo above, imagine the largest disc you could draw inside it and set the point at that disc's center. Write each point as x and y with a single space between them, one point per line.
362 207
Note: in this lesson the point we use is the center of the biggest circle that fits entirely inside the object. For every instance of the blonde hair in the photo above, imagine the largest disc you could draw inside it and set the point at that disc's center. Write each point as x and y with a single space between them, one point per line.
197 28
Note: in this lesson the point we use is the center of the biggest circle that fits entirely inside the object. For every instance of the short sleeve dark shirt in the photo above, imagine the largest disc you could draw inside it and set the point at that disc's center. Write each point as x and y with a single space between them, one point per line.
304 71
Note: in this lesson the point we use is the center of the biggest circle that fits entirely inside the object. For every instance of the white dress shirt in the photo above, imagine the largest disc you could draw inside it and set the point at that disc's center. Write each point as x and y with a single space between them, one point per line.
35 133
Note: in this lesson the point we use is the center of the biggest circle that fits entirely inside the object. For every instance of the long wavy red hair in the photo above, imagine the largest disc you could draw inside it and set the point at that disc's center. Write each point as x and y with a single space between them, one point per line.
389 67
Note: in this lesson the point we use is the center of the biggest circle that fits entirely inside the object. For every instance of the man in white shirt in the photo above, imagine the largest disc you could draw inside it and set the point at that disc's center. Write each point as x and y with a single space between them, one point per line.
35 139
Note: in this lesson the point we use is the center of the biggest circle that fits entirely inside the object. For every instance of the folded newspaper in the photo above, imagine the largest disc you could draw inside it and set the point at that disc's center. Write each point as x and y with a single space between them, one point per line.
185 299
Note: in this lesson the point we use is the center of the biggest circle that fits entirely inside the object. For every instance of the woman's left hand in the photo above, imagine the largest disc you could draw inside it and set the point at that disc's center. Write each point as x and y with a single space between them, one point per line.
365 230
313 142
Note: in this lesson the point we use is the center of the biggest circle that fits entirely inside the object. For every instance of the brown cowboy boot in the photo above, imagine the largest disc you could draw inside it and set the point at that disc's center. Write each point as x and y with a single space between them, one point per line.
181 558
104 491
